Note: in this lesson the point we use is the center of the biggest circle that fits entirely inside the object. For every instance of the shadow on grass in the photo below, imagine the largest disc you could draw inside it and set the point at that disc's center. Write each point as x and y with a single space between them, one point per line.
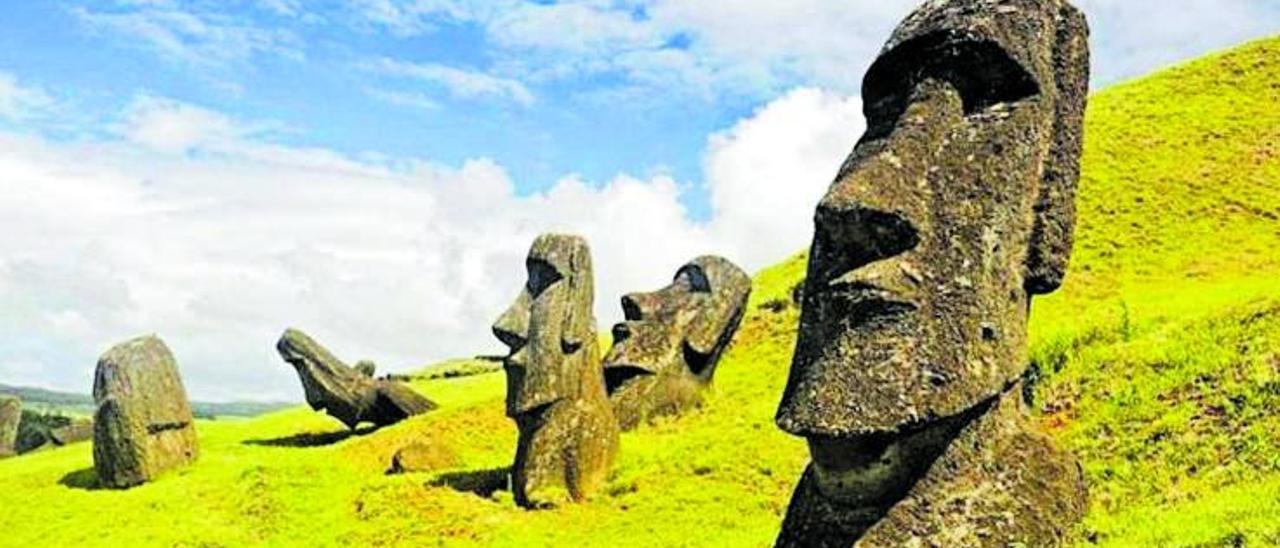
313 439
480 482
86 479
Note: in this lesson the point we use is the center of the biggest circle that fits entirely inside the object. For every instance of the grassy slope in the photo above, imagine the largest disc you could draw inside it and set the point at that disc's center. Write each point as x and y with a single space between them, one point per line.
1160 364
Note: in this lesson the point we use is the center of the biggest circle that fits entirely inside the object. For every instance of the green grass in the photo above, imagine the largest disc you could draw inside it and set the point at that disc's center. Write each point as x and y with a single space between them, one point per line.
1159 365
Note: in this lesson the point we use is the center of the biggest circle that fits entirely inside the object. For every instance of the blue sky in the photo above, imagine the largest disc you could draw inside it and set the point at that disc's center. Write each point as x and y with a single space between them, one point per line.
373 171
340 77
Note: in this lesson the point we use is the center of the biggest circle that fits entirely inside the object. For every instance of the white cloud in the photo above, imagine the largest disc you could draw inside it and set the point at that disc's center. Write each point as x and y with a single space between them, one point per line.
752 48
758 48
195 38
1131 38
405 99
18 101
410 17
588 28
194 225
766 174
170 126
286 8
459 82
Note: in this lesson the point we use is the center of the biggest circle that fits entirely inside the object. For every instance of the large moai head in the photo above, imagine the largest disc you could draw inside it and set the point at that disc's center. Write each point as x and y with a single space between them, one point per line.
666 351
952 211
550 329
555 386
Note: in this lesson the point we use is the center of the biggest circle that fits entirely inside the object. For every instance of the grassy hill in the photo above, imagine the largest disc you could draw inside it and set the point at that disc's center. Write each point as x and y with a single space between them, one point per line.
1158 363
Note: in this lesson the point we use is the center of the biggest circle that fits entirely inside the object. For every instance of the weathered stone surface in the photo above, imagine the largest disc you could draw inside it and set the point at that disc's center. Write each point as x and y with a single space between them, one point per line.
555 383
954 209
346 394
996 483
666 351
143 425
10 417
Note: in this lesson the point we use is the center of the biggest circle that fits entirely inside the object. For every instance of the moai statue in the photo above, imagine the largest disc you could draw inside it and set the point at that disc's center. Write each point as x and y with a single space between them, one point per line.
666 351
953 210
345 393
555 386
10 418
143 425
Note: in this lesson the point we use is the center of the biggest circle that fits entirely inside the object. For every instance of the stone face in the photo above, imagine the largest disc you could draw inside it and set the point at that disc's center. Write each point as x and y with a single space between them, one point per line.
555 384
666 351
10 417
345 393
143 425
953 210
997 482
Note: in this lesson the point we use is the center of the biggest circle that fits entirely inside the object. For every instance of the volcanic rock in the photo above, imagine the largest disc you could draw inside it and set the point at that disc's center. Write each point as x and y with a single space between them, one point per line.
555 384
143 425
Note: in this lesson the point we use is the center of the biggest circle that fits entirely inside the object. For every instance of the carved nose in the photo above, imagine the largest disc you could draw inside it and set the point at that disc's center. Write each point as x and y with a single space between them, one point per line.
512 328
851 235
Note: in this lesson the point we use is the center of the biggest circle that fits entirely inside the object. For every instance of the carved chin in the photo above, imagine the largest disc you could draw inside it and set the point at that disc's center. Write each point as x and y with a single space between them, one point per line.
860 471
620 377
877 470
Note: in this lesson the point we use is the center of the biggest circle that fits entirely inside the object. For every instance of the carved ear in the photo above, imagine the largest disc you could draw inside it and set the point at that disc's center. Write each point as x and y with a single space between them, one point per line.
1055 209
578 327
730 288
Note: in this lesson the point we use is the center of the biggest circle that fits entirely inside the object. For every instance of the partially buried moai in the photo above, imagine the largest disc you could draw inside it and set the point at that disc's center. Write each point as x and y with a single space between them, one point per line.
568 435
664 355
346 393
143 425
953 210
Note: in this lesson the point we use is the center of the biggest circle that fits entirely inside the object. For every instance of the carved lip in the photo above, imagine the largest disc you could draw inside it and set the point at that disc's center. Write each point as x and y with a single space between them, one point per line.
619 375
872 284
878 467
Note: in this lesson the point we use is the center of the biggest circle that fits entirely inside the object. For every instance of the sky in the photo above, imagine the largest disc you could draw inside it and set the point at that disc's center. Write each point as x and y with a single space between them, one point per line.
373 171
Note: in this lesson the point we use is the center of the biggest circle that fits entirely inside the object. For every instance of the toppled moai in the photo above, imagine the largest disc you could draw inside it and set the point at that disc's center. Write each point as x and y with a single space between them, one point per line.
48 430
10 417
75 431
568 435
343 392
665 354
953 210
143 425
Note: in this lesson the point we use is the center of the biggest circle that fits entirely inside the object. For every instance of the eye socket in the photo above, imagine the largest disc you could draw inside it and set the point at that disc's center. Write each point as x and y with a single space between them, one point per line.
695 277
541 276
983 72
